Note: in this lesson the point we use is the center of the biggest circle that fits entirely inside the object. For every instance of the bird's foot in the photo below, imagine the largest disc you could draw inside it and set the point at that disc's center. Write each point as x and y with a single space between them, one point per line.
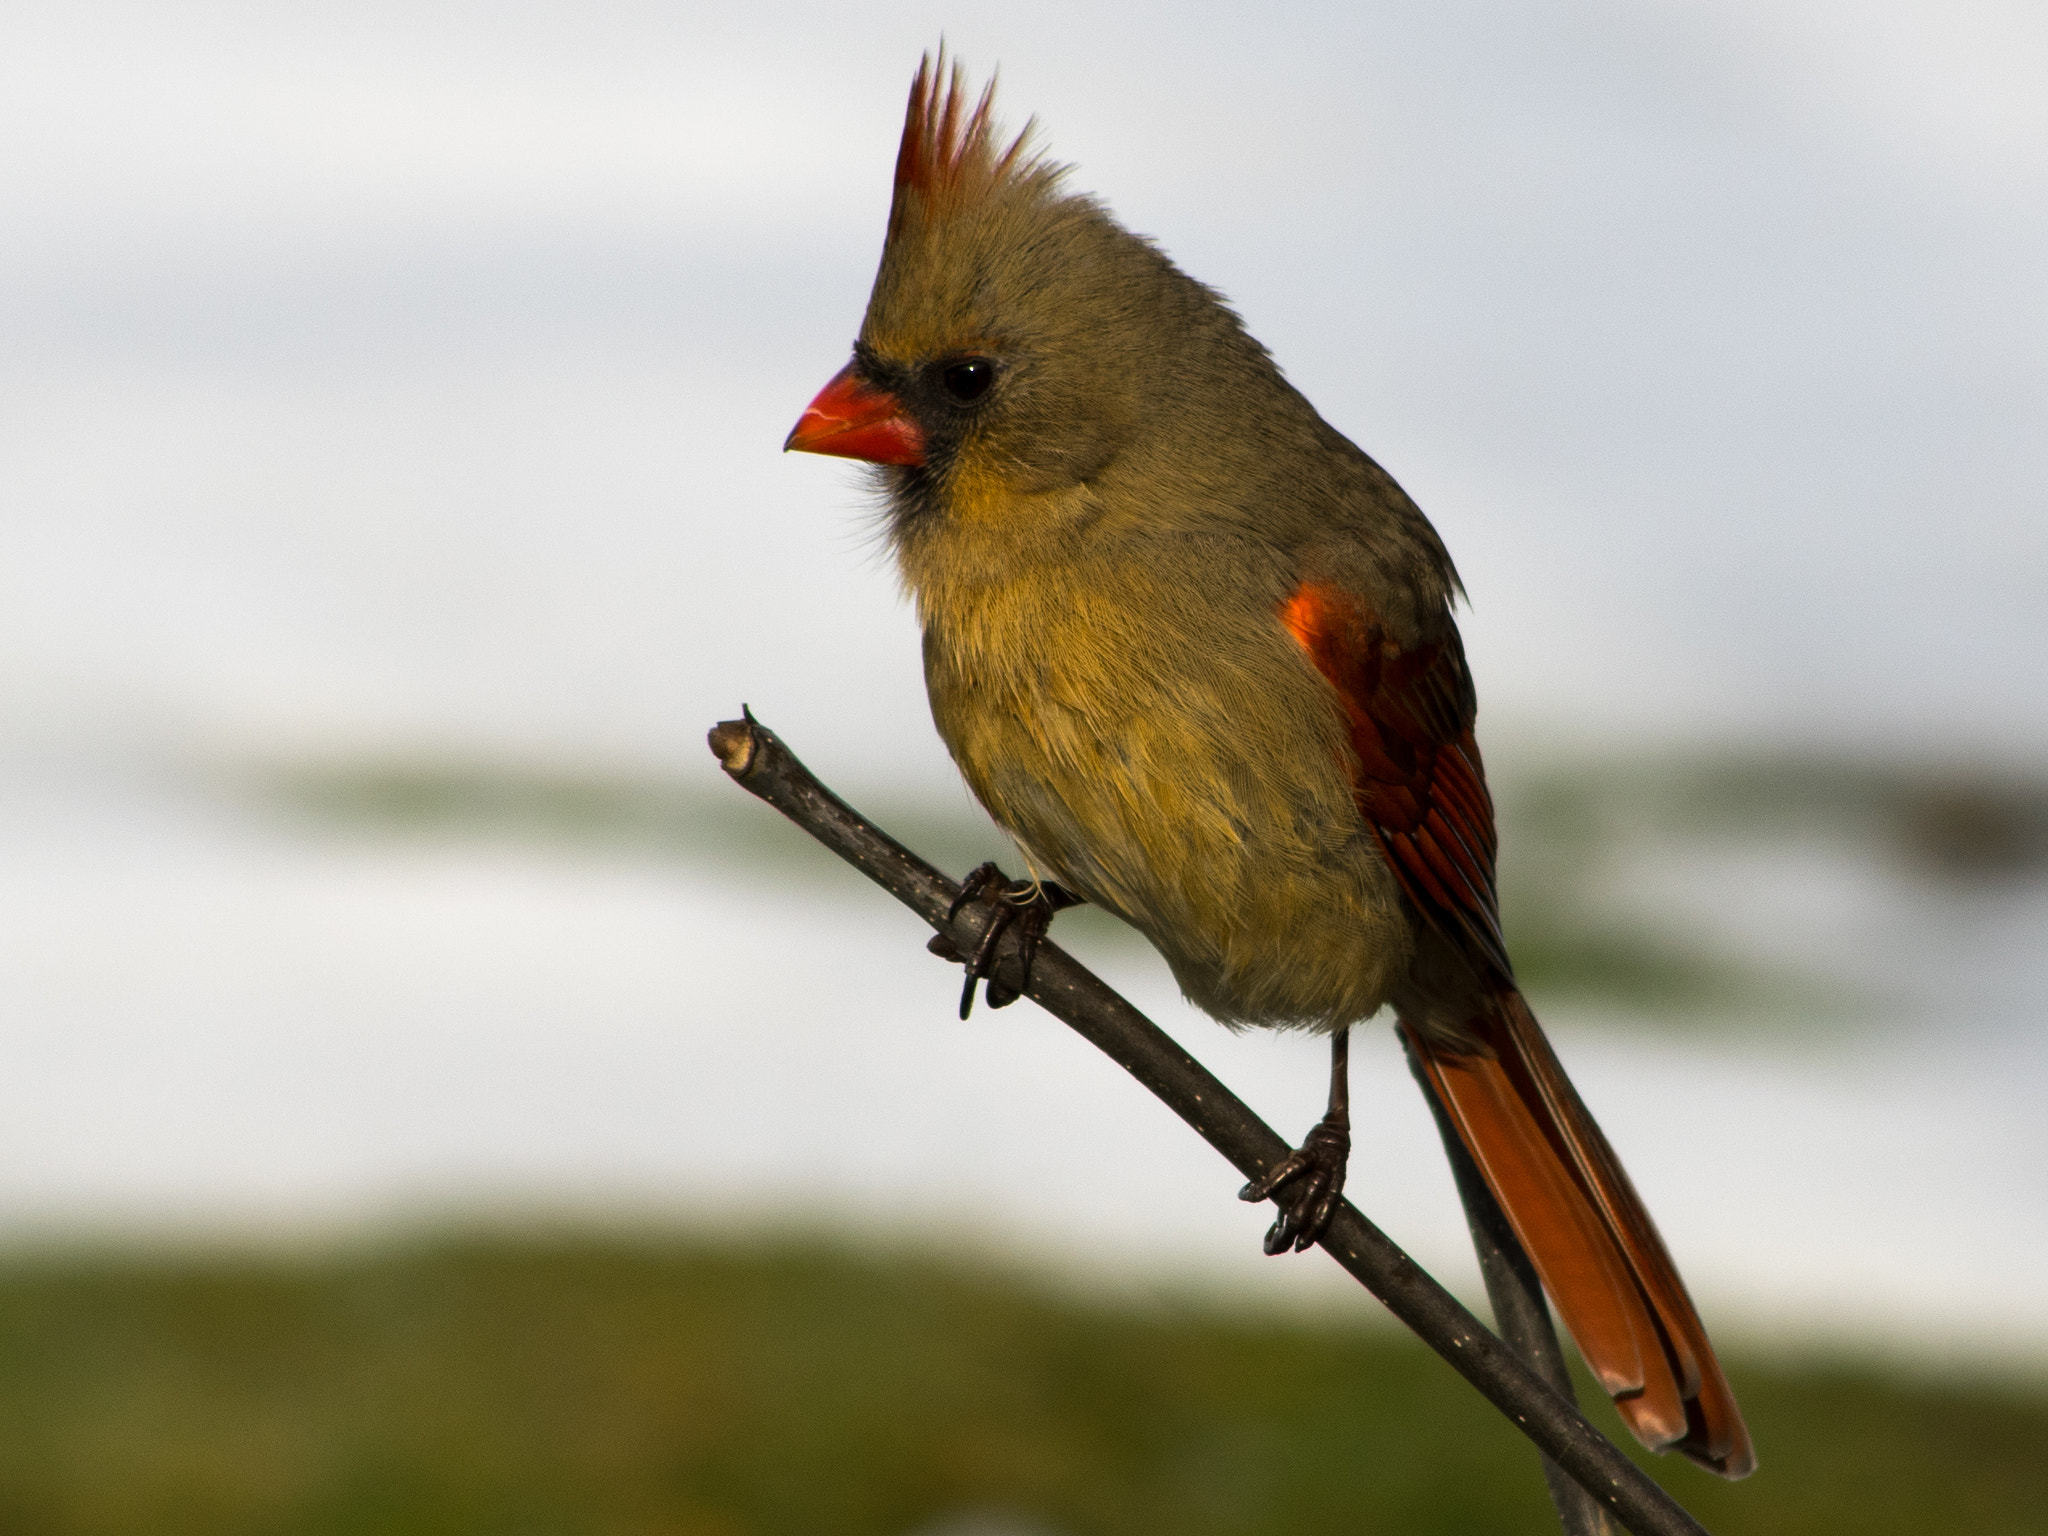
1313 1176
1026 905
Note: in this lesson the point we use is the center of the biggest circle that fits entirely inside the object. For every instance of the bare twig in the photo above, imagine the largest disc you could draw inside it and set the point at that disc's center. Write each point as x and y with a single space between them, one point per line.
761 764
1520 1315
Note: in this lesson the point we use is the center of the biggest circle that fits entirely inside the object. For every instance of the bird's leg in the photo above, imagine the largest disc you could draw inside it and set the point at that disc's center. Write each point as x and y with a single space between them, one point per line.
1027 905
1316 1169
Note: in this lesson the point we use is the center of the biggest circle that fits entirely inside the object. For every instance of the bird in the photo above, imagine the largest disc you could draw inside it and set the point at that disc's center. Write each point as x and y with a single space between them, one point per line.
1195 652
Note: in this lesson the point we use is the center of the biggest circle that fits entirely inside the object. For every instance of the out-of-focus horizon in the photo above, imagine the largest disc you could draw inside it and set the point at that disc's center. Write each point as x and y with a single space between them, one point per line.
391 479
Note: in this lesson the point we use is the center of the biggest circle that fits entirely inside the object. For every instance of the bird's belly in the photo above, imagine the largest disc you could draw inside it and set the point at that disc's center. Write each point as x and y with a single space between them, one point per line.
1178 798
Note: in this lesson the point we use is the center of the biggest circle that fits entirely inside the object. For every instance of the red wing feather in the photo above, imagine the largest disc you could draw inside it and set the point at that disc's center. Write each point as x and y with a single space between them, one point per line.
1418 777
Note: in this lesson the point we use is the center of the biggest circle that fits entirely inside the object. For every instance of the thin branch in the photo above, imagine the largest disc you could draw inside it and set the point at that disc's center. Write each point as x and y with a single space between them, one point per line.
759 762
1520 1315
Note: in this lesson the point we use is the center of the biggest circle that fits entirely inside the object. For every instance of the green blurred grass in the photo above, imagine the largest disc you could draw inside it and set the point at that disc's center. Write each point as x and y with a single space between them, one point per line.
639 1386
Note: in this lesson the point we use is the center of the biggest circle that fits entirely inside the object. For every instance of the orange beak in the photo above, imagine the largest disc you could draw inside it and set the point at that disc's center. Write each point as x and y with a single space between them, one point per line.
857 421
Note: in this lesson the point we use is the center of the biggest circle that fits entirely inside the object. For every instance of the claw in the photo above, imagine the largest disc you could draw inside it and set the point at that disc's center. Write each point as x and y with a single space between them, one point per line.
979 879
1028 904
1318 1166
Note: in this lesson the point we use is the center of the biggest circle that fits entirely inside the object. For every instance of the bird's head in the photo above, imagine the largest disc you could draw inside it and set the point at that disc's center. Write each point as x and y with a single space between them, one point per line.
1017 337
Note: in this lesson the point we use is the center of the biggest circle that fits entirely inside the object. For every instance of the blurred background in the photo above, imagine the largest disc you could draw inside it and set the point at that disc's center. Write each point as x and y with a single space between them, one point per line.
432 1098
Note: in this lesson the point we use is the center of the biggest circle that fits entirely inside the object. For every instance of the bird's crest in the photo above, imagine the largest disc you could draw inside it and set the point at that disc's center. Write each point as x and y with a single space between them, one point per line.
949 158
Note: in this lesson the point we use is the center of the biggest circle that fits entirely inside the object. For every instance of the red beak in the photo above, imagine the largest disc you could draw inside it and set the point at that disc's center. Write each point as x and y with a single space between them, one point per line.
857 421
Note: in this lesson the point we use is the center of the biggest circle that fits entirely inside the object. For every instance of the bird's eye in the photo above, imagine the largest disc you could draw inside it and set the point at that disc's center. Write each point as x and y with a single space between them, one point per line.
969 379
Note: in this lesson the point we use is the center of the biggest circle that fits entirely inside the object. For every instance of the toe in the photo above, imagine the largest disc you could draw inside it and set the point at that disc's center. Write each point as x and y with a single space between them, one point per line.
1278 1176
1280 1236
1315 1219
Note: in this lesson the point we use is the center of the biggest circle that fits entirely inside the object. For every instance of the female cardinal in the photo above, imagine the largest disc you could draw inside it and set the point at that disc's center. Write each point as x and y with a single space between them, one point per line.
1194 651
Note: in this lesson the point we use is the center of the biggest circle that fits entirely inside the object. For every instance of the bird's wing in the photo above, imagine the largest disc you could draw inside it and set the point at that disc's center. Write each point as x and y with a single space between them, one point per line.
1417 773
1421 789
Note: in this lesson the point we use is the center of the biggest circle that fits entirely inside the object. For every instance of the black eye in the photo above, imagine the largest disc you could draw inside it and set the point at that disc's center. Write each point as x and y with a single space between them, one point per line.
969 379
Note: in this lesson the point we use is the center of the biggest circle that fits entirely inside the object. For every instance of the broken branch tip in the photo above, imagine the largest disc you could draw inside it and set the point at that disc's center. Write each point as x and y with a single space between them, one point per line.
733 741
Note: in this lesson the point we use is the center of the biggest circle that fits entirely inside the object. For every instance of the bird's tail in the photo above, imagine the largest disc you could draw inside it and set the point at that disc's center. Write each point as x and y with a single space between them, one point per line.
1590 1238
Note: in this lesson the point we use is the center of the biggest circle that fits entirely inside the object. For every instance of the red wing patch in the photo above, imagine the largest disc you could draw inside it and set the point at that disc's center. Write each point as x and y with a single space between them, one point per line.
1417 772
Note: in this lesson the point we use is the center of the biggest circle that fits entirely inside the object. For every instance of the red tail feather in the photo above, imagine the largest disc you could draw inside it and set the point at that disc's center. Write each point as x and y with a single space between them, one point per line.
1587 1232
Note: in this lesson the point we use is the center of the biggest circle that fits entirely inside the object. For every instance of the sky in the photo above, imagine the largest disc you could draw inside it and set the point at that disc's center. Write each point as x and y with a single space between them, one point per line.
411 379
